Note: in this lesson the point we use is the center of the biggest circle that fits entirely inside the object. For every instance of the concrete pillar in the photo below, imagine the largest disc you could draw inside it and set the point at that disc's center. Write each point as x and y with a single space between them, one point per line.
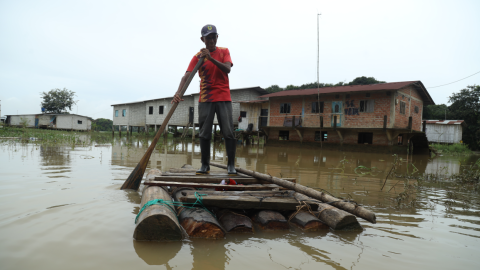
113 130
128 128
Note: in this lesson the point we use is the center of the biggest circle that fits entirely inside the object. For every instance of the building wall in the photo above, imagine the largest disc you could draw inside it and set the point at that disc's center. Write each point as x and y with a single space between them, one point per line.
444 133
411 98
71 122
15 120
135 114
253 112
349 137
350 115
179 118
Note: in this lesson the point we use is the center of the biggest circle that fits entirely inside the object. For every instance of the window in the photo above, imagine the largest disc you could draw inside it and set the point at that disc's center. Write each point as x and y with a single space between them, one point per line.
243 114
160 109
285 108
116 113
417 109
315 108
79 122
283 135
402 107
400 140
367 94
150 109
347 96
323 137
124 112
365 137
337 96
367 105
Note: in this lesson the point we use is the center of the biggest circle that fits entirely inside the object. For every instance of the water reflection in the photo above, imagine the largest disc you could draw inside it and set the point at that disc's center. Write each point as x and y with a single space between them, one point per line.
157 253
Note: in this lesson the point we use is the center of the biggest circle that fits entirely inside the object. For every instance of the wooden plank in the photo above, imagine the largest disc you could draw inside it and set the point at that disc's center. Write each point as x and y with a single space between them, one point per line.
246 202
209 179
285 193
196 185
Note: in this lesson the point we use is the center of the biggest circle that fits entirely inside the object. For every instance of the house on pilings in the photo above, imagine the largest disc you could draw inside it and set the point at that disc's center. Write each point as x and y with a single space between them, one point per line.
364 117
149 114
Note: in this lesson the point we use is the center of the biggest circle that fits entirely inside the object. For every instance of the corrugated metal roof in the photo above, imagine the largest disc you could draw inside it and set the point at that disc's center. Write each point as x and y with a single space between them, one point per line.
357 88
52 114
252 101
446 122
260 90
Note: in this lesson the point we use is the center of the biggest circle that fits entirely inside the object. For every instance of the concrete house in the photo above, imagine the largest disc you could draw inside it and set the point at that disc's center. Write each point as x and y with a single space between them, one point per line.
379 114
151 113
445 131
52 121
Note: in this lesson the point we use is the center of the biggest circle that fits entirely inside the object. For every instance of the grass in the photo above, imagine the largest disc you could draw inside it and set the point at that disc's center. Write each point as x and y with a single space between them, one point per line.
54 137
452 149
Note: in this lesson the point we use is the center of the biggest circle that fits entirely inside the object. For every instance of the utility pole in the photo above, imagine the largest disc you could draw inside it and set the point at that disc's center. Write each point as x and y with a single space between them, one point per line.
318 81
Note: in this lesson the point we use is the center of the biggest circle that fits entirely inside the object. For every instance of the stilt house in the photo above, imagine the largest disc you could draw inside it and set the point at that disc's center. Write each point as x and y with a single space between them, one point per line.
379 114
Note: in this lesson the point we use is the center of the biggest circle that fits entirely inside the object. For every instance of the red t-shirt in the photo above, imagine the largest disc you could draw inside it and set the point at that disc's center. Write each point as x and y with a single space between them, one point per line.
214 85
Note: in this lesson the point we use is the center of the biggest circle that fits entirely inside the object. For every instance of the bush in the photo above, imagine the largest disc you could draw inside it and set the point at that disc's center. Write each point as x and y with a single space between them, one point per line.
452 149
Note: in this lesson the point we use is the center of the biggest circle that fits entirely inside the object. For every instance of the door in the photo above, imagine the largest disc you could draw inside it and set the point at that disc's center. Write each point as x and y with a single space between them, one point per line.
337 111
263 117
190 115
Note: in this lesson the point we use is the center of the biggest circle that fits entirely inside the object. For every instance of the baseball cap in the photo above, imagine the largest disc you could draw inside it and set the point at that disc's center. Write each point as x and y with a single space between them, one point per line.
208 29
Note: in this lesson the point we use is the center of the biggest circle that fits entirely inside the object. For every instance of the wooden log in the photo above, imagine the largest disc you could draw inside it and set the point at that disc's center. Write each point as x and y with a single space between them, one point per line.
247 202
195 185
198 222
271 220
234 222
324 197
335 218
308 222
157 222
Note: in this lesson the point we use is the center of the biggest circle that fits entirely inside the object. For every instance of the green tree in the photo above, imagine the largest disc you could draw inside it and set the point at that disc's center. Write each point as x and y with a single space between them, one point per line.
58 100
274 88
102 124
466 106
357 81
364 81
436 112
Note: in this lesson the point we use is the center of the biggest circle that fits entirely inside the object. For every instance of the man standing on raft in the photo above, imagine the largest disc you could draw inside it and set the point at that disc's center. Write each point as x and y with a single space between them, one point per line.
214 97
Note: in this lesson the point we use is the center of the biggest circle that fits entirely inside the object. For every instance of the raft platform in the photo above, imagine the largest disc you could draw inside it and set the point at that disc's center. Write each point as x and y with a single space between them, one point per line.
179 204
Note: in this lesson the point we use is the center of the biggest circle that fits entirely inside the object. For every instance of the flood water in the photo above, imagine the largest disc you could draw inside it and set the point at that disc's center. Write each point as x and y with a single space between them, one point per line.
61 208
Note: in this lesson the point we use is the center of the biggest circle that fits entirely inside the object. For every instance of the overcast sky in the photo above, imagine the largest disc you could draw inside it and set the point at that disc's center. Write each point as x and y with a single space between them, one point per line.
122 51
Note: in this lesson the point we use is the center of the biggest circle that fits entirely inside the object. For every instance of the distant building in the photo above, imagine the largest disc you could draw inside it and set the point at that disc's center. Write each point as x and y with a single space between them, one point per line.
52 121
151 113
378 114
445 131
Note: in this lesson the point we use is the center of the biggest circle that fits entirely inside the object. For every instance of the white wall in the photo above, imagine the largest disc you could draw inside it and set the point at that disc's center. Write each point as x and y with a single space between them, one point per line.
444 133
15 120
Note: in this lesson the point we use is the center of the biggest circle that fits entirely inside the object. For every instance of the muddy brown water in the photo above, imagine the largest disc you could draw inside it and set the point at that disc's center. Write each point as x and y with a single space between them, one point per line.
61 208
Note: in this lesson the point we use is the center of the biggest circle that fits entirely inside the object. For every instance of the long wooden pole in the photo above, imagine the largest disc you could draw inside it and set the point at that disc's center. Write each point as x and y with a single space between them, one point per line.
135 179
346 206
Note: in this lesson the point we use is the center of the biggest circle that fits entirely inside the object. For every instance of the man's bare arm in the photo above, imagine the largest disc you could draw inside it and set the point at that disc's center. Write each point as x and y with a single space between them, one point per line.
176 97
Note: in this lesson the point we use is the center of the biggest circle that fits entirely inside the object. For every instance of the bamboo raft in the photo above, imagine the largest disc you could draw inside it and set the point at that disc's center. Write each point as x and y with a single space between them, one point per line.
179 204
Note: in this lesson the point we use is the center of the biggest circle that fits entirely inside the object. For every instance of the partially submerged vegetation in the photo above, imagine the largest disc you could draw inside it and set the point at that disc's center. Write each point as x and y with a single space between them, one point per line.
451 149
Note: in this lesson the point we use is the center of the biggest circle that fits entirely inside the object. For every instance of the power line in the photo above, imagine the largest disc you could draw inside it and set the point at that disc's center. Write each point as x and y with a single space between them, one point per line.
454 81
